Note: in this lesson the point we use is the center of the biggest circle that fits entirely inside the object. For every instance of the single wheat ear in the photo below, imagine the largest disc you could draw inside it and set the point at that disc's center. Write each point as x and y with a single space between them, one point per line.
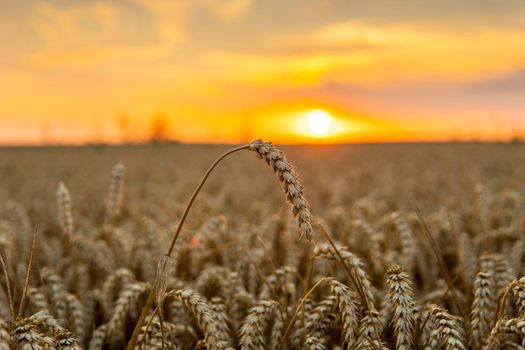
64 210
293 189
116 192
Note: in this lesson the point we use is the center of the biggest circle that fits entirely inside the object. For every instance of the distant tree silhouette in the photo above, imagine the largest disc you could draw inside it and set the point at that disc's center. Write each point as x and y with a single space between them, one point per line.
122 121
159 128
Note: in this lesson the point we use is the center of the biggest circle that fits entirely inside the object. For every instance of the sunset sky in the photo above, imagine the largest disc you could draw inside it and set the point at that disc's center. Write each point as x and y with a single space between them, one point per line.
77 71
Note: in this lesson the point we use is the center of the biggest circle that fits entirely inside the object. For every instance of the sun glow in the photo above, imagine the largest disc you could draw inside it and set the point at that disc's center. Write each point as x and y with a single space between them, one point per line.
319 122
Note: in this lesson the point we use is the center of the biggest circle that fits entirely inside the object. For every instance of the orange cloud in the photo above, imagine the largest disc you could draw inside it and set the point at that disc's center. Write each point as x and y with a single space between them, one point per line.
228 10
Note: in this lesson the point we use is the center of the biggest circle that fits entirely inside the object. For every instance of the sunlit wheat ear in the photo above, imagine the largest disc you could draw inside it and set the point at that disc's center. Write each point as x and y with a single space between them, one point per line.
252 330
449 329
401 296
483 308
116 192
348 310
289 178
203 312
64 210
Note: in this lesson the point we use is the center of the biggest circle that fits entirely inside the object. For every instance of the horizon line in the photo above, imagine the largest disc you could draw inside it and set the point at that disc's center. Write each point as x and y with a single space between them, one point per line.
516 140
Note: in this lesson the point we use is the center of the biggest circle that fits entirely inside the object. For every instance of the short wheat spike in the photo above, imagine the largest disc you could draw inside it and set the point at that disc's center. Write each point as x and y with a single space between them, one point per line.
356 269
64 210
348 310
98 338
402 298
116 192
125 303
374 243
408 245
37 299
205 318
5 338
519 295
502 327
219 309
503 272
66 341
366 338
57 294
153 337
467 257
27 337
45 322
449 328
313 343
483 309
318 321
292 187
278 329
77 316
252 329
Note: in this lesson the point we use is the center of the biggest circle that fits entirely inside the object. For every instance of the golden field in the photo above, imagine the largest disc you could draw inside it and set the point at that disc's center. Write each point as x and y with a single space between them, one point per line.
425 251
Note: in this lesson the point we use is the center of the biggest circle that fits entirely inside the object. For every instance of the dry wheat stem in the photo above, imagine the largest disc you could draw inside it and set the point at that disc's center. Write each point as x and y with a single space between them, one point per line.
21 306
152 294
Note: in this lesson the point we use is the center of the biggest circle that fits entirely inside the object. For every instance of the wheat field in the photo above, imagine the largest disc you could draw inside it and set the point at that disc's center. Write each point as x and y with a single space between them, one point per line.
407 246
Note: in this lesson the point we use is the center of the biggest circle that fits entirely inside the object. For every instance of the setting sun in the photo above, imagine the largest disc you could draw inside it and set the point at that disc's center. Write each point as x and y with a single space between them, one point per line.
319 122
